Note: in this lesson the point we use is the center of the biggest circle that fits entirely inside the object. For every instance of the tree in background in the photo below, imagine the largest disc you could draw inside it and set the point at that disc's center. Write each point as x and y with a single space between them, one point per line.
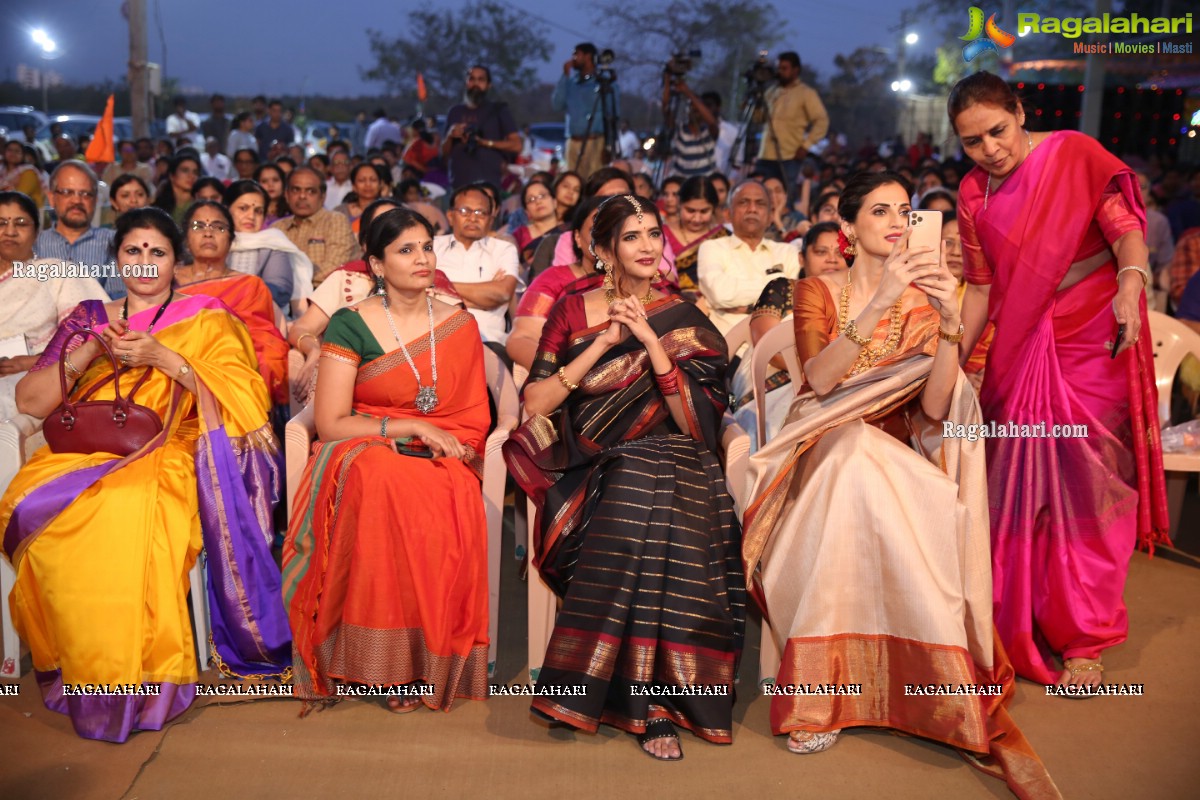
859 96
443 44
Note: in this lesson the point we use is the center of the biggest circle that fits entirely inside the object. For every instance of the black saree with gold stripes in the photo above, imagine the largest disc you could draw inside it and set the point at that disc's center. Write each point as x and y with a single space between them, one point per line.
636 532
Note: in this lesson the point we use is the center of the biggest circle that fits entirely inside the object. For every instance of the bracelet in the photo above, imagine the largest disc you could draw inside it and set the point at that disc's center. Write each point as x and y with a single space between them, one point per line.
1145 273
73 371
383 427
668 384
562 376
952 338
850 331
312 336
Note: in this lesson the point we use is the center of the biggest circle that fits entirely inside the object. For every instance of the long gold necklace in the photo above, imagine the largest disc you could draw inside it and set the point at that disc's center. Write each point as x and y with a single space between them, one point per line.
869 355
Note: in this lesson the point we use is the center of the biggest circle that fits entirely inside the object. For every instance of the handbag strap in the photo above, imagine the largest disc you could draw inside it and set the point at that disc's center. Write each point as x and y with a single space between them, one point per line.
62 367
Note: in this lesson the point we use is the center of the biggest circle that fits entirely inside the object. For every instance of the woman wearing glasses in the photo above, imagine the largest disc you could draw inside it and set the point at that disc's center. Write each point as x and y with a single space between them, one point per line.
208 227
30 310
175 193
540 208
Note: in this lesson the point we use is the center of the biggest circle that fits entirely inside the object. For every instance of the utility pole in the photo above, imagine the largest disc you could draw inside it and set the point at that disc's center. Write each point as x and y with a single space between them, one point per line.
1093 84
139 95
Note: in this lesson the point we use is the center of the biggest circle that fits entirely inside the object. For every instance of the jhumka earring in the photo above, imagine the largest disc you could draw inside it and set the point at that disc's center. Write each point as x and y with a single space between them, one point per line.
852 248
380 287
609 284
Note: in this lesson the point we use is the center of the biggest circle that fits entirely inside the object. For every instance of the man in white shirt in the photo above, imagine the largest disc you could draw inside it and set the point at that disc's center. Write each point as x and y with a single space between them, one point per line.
338 183
185 123
733 270
216 163
382 130
482 268
628 143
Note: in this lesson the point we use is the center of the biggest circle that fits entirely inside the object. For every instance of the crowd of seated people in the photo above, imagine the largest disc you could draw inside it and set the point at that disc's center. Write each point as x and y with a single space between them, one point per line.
614 295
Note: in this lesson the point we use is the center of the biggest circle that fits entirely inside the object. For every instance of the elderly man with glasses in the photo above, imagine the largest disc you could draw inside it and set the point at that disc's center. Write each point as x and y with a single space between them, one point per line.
322 235
72 239
482 268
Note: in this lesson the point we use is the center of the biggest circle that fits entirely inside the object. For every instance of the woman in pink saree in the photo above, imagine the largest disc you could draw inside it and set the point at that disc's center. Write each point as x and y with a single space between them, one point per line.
1053 243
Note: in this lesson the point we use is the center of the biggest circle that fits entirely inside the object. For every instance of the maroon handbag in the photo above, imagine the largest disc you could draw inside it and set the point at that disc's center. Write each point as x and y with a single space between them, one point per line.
119 426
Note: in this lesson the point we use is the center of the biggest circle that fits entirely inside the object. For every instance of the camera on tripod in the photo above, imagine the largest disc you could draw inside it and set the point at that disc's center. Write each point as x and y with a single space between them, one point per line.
761 72
681 63
604 71
470 139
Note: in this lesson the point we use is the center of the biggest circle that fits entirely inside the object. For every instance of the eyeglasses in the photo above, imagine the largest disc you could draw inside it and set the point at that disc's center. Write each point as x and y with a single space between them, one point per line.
537 198
85 194
311 191
17 222
215 227
463 211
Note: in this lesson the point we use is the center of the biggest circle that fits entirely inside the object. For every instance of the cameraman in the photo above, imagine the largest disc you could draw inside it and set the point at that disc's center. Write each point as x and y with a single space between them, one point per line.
796 120
577 96
694 140
480 135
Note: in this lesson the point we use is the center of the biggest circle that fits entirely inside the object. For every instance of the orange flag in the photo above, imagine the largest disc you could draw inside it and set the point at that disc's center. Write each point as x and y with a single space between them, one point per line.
421 93
100 149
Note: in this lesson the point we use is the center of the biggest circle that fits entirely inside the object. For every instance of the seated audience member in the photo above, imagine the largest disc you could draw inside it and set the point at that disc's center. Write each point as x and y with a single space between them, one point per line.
698 201
636 532
216 164
567 188
324 236
734 270
784 219
128 191
1185 262
721 213
273 181
241 138
127 163
938 198
266 252
643 185
209 231
369 183
174 194
825 207
344 287
552 284
668 199
538 201
19 174
208 188
30 310
604 182
73 188
483 268
881 368
821 257
401 374
102 544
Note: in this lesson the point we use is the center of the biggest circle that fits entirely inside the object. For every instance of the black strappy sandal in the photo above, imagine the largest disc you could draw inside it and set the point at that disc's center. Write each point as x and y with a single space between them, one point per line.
660 729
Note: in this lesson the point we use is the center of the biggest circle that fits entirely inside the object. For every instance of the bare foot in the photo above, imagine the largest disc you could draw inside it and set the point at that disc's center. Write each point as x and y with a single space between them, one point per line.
1086 672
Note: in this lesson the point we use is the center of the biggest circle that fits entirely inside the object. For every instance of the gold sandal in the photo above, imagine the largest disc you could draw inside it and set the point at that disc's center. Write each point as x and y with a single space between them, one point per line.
806 742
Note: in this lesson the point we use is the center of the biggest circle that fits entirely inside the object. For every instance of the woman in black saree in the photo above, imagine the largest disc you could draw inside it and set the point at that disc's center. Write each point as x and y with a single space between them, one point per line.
637 533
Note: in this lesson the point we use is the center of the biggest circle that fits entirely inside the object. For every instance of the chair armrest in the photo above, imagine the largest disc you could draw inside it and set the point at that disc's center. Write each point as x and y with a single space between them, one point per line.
298 436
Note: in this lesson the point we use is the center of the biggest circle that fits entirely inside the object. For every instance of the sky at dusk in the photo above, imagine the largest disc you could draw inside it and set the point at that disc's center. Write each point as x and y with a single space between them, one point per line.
317 46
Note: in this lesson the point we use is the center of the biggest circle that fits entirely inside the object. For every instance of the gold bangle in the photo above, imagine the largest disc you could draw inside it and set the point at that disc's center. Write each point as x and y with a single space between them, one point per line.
73 372
1145 273
952 338
562 376
850 331
312 336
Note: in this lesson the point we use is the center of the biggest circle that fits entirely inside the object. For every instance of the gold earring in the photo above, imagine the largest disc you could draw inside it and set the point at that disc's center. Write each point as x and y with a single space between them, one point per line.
852 248
609 285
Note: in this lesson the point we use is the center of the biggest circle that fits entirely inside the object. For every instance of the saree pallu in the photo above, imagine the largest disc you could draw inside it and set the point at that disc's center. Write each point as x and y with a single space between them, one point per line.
637 533
1066 513
871 560
250 300
686 260
102 545
385 562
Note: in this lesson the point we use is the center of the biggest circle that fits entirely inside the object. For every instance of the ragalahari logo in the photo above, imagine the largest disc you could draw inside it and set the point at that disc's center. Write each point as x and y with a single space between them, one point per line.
983 37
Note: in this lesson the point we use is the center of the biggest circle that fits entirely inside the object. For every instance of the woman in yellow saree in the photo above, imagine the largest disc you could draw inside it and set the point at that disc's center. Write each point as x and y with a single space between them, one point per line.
871 557
102 544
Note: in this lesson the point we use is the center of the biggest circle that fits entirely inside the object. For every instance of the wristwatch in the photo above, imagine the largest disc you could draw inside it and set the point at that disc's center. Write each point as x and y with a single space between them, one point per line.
184 371
952 338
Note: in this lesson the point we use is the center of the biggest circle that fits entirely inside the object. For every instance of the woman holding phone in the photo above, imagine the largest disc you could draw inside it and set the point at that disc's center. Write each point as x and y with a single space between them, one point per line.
1062 277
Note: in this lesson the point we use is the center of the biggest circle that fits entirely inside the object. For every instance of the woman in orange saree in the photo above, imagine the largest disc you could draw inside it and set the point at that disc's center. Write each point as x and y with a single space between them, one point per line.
870 557
208 227
1062 276
385 561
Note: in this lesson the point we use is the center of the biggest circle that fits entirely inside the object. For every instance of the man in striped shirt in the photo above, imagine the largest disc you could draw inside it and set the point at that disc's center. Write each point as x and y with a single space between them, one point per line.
694 143
73 240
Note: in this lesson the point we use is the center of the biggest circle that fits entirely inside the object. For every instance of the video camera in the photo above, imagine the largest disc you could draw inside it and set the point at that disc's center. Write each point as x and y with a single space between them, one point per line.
761 72
604 71
681 63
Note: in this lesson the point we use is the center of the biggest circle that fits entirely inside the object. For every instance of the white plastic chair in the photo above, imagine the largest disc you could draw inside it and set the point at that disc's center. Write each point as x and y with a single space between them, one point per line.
19 437
1172 341
301 432
780 340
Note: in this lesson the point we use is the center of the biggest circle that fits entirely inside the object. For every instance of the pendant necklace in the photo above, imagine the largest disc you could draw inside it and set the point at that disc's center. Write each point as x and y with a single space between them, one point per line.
427 397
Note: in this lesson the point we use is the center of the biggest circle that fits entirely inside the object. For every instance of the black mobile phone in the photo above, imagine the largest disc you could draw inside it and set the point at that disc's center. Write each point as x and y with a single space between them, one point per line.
409 450
1117 342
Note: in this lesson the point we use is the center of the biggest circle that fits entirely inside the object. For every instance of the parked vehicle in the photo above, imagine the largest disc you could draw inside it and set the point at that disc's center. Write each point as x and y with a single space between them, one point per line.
549 143
78 125
15 118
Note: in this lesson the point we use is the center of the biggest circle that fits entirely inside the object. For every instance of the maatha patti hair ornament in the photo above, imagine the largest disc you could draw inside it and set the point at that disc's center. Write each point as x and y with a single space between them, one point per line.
637 207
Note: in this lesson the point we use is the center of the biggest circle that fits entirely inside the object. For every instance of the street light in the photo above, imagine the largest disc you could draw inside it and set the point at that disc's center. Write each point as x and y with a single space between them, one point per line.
49 50
911 38
43 40
902 85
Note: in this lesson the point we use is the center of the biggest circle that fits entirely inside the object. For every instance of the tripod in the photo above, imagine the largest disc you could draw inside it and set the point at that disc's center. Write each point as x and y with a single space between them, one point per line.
606 104
662 144
753 114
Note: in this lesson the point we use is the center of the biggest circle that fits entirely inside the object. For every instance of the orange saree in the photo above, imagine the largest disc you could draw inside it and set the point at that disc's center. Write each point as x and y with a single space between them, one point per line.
385 561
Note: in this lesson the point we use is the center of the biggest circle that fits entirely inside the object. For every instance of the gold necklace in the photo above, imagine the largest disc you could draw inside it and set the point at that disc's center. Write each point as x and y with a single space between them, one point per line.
869 356
610 297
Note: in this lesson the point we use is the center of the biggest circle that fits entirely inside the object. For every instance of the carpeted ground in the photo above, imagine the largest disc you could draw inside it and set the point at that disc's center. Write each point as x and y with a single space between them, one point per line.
1106 747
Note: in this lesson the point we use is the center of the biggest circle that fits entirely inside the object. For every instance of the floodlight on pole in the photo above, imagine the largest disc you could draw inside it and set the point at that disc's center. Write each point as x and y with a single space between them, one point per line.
911 38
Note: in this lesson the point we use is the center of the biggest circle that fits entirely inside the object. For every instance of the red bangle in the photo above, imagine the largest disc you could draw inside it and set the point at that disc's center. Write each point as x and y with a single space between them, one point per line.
668 384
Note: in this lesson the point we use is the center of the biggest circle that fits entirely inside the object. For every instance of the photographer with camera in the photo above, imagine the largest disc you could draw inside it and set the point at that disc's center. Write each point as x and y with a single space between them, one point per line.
796 120
480 135
592 105
693 138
